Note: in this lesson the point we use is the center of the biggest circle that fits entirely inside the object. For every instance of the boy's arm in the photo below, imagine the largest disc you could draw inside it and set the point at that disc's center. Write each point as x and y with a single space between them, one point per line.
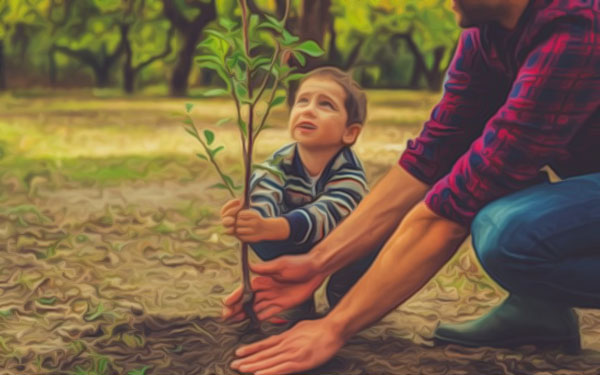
314 221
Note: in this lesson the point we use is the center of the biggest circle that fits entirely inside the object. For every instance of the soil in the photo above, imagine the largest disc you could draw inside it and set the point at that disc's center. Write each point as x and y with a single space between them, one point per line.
129 278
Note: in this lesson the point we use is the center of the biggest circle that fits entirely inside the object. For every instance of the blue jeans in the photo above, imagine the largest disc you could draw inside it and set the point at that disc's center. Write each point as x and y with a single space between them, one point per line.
544 242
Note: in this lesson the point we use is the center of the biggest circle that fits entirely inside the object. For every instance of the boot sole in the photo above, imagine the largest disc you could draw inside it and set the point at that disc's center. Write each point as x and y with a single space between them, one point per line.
570 345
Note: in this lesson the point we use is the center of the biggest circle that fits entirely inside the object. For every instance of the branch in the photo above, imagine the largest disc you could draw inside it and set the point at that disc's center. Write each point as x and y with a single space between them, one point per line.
168 49
264 83
83 55
212 159
354 54
124 28
172 13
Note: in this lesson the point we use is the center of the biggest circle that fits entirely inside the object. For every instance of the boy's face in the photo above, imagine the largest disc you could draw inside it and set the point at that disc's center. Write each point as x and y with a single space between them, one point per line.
318 117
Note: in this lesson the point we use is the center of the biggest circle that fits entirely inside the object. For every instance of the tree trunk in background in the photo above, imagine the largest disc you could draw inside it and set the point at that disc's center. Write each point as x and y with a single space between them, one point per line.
190 31
128 70
315 22
179 80
2 81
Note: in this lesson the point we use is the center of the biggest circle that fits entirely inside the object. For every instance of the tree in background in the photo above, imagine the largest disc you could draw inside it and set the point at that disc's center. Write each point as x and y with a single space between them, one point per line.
189 18
148 33
93 33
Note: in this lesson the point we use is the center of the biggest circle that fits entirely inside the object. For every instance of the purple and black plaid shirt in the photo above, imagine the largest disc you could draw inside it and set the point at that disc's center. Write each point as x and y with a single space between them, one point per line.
513 103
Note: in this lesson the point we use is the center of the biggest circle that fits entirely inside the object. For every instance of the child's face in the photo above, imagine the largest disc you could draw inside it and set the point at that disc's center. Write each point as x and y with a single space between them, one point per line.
318 117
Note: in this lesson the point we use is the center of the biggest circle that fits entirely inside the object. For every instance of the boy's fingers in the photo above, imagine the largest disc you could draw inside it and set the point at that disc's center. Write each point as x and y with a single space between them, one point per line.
228 221
244 230
227 206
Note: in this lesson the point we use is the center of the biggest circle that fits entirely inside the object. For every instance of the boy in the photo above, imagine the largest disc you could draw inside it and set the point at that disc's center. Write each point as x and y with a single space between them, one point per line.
319 181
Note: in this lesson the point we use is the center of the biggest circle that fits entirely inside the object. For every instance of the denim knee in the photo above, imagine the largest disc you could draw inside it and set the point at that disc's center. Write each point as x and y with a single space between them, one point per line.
496 234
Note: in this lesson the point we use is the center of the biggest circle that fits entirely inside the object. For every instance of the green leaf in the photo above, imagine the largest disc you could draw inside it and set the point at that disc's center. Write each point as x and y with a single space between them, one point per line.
214 152
275 22
214 92
188 121
102 365
223 121
241 91
270 169
140 371
218 34
294 77
277 101
192 132
310 48
210 136
289 39
96 314
227 23
243 127
300 57
260 61
201 156
218 186
188 107
47 301
231 183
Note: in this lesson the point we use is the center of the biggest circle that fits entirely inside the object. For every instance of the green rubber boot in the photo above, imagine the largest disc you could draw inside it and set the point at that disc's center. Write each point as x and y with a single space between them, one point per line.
517 321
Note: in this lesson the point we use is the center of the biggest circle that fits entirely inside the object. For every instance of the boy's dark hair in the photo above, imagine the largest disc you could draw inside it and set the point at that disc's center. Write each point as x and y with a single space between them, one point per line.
356 100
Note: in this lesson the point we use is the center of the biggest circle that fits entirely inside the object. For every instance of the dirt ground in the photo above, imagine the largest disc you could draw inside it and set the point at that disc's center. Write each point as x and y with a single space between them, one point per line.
114 274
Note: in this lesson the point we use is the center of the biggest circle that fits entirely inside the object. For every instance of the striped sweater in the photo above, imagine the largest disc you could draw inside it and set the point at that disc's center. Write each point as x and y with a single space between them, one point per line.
282 187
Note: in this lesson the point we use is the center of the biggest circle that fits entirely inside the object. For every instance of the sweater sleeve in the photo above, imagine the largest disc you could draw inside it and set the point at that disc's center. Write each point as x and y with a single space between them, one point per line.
343 191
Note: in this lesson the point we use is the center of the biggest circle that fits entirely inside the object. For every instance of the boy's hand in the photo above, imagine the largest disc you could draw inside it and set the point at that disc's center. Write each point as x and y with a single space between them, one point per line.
252 227
228 214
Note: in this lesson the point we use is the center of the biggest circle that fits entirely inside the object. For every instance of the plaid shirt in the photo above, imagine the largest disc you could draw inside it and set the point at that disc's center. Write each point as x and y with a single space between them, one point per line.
513 103
313 207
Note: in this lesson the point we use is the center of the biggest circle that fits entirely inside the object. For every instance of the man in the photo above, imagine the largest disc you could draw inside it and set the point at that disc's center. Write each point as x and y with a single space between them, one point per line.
523 92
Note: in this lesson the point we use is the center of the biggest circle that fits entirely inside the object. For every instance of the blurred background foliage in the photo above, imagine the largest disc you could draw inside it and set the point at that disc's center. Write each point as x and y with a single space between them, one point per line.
135 45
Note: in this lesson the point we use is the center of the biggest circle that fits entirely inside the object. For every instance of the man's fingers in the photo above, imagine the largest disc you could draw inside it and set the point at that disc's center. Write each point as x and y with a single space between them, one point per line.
288 367
272 267
268 312
234 297
247 350
263 360
236 318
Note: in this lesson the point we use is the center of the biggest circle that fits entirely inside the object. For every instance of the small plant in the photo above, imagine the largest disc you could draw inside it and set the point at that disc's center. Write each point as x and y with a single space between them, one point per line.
252 77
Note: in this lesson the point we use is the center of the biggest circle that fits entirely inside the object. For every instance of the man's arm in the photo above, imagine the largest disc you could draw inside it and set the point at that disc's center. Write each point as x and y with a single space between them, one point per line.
414 253
371 223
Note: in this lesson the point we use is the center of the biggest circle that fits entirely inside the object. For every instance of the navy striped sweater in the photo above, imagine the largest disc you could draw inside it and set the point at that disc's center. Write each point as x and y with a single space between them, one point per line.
312 207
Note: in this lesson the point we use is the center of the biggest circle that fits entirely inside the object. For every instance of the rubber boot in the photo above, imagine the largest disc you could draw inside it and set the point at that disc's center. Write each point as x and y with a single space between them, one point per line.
517 321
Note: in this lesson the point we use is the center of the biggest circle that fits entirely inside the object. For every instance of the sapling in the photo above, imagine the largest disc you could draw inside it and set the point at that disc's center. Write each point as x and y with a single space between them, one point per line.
236 52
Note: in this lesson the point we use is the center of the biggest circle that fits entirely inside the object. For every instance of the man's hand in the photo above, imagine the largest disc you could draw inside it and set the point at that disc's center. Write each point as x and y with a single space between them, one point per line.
282 284
307 345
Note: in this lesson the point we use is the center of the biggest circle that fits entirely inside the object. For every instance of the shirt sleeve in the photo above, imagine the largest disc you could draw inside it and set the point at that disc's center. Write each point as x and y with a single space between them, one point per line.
458 118
556 91
266 193
342 193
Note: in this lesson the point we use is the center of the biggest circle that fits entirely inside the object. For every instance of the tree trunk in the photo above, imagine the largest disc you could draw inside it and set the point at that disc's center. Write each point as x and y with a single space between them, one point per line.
2 80
315 22
179 80
191 32
51 67
128 70
102 75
